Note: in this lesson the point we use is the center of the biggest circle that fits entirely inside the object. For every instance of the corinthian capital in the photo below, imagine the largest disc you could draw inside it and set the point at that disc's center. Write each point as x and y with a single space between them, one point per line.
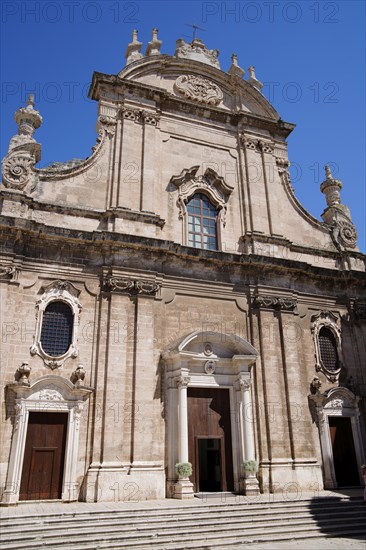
182 381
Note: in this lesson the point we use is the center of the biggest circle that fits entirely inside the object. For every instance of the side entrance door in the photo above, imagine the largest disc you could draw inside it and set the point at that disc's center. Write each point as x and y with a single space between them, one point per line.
209 439
344 456
44 456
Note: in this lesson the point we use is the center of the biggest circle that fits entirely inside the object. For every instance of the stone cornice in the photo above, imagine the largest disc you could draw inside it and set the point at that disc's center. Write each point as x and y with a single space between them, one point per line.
250 263
94 213
166 101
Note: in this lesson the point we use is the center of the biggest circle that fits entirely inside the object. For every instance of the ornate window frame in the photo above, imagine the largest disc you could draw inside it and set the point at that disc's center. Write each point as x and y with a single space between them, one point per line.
50 393
210 184
328 320
66 292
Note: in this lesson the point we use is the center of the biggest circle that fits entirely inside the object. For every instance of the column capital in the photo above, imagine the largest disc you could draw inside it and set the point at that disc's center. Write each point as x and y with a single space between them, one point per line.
243 384
283 303
182 381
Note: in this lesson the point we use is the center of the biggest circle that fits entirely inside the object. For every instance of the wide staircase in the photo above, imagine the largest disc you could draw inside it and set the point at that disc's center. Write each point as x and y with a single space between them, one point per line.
200 524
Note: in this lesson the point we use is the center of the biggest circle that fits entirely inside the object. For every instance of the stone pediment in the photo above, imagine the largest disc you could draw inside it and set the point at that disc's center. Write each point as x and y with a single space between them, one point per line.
213 345
192 80
188 183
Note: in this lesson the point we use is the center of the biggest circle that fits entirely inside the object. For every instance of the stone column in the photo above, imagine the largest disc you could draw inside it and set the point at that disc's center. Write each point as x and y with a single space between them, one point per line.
250 484
183 489
248 420
182 384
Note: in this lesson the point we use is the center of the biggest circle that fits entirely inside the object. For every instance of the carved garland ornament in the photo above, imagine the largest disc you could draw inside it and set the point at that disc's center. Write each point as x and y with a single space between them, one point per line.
199 89
148 288
271 302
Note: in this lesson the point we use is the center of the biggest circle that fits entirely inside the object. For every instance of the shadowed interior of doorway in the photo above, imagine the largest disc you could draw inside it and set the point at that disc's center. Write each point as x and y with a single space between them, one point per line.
210 441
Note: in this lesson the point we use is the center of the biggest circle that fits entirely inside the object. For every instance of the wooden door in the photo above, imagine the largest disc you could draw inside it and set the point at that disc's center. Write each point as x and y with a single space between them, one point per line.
44 456
344 456
209 439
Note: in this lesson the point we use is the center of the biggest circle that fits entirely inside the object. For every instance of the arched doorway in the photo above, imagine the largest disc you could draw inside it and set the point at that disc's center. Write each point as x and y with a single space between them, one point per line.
209 410
337 416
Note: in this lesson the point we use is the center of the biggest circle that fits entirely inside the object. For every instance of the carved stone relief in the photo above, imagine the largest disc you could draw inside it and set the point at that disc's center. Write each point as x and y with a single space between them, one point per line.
272 302
148 288
199 89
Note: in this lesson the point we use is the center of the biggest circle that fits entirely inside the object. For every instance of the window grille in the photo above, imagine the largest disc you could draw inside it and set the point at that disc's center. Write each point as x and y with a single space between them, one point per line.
328 349
202 217
57 324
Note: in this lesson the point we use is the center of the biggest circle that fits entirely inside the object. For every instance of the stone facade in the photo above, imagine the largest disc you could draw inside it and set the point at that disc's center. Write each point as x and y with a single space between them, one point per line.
154 318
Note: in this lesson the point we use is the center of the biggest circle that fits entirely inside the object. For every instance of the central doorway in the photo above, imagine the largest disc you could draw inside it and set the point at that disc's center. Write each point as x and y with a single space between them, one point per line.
209 439
344 456
210 459
44 455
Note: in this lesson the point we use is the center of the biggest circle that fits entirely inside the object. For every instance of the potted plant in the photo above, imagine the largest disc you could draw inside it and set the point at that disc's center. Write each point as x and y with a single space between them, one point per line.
183 469
250 468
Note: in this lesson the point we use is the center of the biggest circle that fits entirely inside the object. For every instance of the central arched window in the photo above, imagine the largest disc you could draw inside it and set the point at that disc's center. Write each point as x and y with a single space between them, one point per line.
57 325
328 349
202 223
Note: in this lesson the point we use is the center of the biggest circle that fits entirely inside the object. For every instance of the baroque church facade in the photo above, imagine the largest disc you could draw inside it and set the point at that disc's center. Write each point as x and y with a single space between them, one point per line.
169 301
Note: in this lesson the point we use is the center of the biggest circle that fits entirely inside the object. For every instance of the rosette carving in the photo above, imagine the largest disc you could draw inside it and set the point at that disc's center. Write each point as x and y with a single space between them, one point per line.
18 171
199 89
348 233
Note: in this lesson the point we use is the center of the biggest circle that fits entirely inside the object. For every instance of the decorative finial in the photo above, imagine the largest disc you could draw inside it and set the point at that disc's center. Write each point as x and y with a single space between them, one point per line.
337 216
133 52
28 120
30 100
24 152
234 68
331 188
328 172
153 47
253 79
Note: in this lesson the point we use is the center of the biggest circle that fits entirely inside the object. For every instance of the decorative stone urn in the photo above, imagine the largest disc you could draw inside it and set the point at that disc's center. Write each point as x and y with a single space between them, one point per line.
183 488
23 373
249 482
78 376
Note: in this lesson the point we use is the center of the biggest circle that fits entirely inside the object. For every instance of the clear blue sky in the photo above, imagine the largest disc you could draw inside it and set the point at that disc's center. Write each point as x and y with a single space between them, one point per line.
309 54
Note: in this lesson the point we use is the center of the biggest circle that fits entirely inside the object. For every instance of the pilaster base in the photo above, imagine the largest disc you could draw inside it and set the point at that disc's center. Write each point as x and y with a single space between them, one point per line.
117 482
249 485
183 489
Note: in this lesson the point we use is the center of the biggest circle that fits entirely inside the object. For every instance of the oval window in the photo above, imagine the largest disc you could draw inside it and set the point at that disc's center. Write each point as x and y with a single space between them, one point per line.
57 324
328 349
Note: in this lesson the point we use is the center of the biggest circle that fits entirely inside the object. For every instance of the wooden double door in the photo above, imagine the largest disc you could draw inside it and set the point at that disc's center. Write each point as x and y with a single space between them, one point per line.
44 456
209 439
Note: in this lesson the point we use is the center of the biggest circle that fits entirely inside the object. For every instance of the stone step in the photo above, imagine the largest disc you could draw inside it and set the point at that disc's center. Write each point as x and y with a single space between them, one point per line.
159 521
220 509
202 540
145 534
185 526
